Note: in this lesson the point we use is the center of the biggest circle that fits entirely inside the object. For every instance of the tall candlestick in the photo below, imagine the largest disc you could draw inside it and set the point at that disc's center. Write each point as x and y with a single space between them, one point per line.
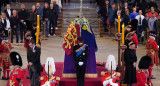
123 34
37 35
118 24
38 20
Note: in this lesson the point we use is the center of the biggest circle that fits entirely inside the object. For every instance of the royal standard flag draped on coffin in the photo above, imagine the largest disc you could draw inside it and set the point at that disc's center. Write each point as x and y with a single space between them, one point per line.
70 38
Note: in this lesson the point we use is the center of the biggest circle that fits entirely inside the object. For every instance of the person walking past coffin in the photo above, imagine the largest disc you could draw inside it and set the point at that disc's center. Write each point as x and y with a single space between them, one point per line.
130 60
80 54
46 16
53 14
33 57
23 15
33 15
8 11
14 26
5 24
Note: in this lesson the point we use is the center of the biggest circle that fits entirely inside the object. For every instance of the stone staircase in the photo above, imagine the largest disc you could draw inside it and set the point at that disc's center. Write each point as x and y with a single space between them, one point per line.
70 12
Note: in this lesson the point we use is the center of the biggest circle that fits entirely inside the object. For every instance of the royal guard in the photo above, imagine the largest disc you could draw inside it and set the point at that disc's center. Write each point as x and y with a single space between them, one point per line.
6 60
143 78
152 51
111 77
134 24
1 54
17 74
49 80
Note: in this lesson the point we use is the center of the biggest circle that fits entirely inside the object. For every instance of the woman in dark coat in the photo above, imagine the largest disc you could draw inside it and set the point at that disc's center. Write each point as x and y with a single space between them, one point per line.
130 60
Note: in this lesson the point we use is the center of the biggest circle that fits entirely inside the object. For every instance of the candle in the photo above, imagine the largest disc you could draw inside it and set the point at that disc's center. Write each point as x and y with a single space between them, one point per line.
123 34
38 20
119 24
37 35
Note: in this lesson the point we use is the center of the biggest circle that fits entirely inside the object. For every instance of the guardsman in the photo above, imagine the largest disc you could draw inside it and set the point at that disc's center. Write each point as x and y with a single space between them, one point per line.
110 78
6 60
1 53
152 51
49 80
143 78
80 55
17 74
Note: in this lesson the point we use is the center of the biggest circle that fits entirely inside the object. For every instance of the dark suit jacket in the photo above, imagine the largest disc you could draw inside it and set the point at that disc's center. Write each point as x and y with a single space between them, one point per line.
6 12
34 57
82 57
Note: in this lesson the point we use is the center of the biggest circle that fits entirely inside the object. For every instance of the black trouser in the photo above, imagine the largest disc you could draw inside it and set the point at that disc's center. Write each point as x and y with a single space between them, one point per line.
52 25
22 31
80 75
34 76
104 23
6 32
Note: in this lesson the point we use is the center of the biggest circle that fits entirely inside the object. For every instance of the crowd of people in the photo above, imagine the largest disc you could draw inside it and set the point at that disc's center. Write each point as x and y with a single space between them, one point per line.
15 21
147 14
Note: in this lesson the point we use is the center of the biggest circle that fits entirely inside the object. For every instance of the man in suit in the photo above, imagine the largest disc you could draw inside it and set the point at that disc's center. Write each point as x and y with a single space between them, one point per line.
104 8
8 11
80 54
33 57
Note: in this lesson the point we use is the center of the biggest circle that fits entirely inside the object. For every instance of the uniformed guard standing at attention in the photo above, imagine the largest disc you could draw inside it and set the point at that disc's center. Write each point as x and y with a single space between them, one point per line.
80 54
18 73
152 51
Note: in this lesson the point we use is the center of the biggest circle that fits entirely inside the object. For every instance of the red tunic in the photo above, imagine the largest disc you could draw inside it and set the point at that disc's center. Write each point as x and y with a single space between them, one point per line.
1 54
5 55
52 80
152 50
26 45
142 78
107 76
135 40
17 73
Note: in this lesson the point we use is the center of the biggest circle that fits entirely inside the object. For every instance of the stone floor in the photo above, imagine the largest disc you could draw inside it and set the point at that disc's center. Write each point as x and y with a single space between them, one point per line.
53 48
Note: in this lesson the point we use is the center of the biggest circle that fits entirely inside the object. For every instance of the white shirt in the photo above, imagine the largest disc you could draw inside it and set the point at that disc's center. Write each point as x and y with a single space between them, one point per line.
7 22
9 12
33 47
138 18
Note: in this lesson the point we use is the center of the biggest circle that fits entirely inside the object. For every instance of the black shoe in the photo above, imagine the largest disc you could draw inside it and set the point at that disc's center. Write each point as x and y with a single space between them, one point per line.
3 78
21 41
7 78
27 77
152 77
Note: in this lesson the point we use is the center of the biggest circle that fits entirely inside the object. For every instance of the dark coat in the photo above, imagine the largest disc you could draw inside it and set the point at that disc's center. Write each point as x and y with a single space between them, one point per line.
152 4
7 15
14 21
53 13
82 57
46 13
130 72
4 24
33 17
23 14
34 57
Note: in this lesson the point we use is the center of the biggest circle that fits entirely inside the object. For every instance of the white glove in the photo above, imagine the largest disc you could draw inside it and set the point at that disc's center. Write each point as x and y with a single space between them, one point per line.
46 84
80 63
105 82
158 46
111 83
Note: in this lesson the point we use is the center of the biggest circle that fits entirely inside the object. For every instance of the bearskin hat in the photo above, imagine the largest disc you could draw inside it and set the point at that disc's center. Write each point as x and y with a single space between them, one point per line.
16 58
134 24
145 62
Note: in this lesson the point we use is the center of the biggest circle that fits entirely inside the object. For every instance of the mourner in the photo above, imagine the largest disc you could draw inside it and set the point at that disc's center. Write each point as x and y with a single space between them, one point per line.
33 57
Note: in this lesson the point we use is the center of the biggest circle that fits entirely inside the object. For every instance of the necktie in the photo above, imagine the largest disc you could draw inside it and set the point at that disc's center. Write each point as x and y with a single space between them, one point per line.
140 20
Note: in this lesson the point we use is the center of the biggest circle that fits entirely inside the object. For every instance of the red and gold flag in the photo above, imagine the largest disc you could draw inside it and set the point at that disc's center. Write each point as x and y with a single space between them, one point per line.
70 38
